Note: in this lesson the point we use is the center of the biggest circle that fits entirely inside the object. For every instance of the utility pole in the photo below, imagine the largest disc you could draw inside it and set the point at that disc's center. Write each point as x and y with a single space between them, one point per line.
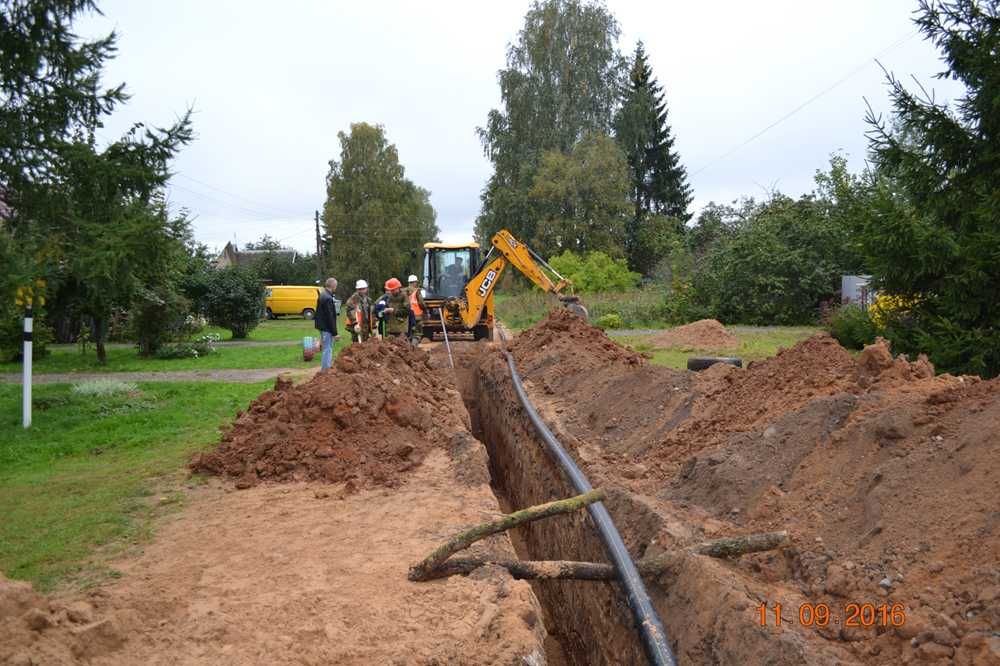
320 254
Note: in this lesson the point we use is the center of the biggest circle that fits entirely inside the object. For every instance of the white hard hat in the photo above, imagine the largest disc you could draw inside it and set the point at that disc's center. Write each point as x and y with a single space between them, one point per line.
412 278
360 284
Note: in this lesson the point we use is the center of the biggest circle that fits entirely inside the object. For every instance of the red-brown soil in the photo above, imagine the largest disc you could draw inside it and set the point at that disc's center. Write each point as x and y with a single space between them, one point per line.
886 476
301 573
701 334
311 572
369 421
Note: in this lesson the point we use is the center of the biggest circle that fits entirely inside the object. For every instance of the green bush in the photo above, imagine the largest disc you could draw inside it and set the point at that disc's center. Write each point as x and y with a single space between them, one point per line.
201 346
158 316
596 272
12 335
235 300
852 326
610 320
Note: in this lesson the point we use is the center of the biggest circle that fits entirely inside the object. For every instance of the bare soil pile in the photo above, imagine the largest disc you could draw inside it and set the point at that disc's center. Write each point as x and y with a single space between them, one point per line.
568 344
35 630
885 475
368 421
701 334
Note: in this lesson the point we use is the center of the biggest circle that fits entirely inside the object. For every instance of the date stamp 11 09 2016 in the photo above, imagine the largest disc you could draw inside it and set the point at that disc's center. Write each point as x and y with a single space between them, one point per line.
822 615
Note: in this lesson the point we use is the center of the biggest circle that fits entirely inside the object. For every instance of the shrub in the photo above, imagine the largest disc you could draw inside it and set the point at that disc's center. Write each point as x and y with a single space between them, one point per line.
235 300
159 316
103 388
596 272
201 346
853 326
12 335
610 320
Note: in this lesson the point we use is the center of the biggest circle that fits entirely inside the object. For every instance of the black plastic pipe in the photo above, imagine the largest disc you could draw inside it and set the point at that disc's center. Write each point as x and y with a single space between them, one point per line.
654 638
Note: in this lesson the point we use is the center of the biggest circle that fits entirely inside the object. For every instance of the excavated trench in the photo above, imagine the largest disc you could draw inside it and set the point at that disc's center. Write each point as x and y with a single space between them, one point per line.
588 622
707 613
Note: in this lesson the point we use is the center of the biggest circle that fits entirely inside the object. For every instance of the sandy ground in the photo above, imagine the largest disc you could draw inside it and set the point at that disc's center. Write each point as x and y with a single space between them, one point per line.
298 574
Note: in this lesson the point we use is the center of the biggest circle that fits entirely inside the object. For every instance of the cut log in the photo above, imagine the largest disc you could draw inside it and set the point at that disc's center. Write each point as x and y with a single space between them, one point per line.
741 545
422 570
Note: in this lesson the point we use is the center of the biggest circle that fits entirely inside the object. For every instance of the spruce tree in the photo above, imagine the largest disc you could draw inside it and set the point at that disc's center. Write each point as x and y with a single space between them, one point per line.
659 180
932 236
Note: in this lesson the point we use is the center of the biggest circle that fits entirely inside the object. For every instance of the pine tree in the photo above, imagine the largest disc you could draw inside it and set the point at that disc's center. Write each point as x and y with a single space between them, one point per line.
932 236
659 180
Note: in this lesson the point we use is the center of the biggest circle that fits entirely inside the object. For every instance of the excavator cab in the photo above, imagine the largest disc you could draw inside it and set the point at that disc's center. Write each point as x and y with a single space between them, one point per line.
447 269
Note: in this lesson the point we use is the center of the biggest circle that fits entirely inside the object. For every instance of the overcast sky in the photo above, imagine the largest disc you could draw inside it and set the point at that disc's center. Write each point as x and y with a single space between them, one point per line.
271 84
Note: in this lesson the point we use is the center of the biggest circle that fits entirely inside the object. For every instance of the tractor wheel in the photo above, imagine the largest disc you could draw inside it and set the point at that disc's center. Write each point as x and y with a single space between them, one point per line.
481 333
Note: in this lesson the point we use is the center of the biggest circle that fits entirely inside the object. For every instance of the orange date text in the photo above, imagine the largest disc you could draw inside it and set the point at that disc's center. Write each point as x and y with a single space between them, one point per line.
822 615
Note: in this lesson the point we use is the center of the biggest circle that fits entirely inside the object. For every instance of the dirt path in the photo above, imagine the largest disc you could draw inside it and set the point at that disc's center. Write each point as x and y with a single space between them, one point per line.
239 376
302 574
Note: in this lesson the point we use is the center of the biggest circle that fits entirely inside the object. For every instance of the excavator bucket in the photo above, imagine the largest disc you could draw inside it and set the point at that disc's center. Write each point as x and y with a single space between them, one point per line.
575 305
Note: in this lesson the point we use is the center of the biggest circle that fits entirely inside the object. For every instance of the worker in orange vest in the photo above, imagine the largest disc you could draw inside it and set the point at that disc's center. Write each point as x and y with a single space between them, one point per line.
418 310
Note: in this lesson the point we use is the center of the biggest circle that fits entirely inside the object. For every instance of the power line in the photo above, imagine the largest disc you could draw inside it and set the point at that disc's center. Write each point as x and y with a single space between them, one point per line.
899 42
252 202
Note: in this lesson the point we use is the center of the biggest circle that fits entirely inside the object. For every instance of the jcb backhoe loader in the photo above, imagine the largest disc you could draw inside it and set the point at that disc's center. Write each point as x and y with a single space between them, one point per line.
461 286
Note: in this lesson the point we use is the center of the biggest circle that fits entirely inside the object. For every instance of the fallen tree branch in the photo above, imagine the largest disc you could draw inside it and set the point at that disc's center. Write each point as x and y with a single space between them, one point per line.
423 569
741 545
651 566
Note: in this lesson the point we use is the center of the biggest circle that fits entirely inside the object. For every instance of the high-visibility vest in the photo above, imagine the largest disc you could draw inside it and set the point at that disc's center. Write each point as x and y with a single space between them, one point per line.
415 303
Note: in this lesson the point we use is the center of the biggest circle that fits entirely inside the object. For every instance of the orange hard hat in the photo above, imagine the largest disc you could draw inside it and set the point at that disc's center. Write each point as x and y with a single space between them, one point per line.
393 283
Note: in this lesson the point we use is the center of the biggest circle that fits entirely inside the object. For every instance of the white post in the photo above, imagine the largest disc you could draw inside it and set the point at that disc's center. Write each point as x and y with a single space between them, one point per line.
26 378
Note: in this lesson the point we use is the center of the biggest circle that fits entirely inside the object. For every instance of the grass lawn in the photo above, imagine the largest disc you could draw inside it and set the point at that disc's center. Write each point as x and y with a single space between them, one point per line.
293 328
754 346
81 482
69 359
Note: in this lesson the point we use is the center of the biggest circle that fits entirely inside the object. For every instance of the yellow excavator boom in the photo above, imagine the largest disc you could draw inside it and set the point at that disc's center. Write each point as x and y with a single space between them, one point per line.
479 288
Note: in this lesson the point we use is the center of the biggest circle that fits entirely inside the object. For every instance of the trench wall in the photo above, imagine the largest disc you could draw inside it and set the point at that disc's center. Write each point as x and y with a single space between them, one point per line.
707 609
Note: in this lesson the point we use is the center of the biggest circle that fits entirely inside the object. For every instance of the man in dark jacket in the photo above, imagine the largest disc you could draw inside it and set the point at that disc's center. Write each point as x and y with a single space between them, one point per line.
326 320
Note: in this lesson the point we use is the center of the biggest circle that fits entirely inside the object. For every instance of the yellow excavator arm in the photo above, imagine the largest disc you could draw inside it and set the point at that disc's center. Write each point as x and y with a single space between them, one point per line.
506 250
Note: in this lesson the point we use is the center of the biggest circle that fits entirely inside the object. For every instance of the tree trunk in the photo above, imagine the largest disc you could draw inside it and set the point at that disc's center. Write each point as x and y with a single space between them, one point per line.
101 335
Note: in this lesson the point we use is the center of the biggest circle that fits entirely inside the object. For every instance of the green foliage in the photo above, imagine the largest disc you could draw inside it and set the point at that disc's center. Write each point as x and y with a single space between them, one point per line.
375 218
197 348
280 265
637 308
235 300
50 84
12 335
658 180
159 315
581 199
779 265
609 320
595 272
931 233
561 83
852 326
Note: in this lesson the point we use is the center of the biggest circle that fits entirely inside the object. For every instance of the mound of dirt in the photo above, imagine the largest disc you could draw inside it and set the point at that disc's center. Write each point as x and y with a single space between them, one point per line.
884 474
368 422
702 334
35 630
569 344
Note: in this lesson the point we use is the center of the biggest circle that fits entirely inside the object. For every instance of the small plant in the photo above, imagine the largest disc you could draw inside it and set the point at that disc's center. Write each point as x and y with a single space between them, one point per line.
201 346
853 327
609 320
103 388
